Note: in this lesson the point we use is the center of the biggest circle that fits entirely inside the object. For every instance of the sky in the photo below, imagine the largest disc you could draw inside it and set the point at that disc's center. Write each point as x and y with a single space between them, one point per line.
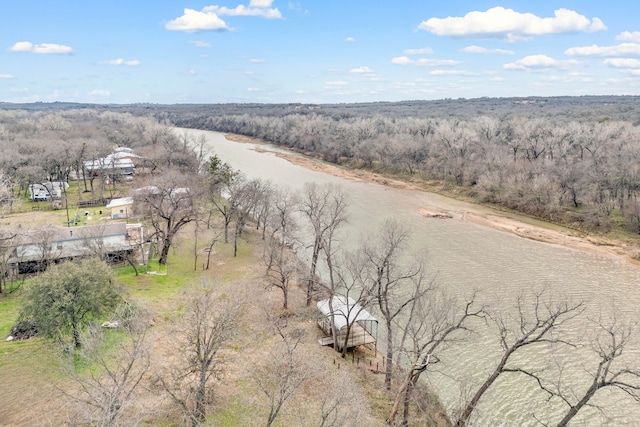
314 51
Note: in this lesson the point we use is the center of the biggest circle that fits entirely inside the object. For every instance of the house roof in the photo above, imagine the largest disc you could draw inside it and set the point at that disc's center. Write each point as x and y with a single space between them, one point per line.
123 201
74 241
345 311
121 158
109 163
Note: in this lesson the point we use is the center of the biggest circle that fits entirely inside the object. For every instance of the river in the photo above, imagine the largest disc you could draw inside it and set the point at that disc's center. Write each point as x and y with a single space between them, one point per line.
463 256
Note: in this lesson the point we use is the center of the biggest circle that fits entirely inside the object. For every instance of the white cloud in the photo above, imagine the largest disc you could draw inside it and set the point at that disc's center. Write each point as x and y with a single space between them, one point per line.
533 62
257 61
7 76
484 50
623 63
260 3
402 60
193 20
424 62
44 48
597 25
121 61
253 89
437 62
361 70
450 73
629 36
241 10
594 50
200 43
100 92
209 17
507 23
423 51
192 73
350 39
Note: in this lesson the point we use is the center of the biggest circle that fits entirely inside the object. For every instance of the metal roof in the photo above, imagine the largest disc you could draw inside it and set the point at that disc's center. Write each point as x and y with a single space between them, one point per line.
345 311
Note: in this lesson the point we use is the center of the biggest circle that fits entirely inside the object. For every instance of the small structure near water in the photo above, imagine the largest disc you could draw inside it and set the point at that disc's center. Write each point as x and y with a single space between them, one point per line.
346 315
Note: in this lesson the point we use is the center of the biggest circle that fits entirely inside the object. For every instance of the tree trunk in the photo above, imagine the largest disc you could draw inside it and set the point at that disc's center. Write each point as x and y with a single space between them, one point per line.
164 254
407 400
574 409
389 367
312 272
285 296
132 263
464 418
401 392
76 335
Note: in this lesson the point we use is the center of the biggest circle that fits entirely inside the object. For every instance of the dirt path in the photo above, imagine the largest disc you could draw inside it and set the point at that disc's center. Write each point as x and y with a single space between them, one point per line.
552 234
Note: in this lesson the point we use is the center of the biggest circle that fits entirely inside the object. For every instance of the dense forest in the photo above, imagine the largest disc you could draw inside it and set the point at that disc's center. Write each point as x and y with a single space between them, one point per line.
571 160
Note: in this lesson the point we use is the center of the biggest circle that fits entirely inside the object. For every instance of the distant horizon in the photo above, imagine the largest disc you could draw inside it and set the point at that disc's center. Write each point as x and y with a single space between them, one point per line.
319 104
329 52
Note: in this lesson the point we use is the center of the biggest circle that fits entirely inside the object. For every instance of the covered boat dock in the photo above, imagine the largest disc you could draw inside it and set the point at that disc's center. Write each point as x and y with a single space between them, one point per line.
344 312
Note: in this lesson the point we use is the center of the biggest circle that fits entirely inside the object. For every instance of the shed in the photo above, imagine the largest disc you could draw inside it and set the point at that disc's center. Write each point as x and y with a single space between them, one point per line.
120 208
364 327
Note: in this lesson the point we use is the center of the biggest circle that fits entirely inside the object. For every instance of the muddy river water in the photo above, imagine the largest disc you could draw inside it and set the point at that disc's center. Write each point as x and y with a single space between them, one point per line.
464 255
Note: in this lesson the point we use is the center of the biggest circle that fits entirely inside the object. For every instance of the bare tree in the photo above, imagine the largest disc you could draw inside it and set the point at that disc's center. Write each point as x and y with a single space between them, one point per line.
212 241
170 203
285 372
226 197
610 369
435 321
208 324
117 366
7 252
394 283
534 324
282 263
8 199
325 207
282 267
247 197
342 401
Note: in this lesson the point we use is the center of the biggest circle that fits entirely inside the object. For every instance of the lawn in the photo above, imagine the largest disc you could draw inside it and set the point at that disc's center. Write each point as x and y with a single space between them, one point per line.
30 370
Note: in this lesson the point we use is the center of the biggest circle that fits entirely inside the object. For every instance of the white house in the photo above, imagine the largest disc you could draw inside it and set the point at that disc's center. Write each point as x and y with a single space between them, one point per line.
120 162
39 248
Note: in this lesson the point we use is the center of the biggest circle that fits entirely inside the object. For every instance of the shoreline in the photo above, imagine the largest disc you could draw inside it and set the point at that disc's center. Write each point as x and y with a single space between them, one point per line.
490 217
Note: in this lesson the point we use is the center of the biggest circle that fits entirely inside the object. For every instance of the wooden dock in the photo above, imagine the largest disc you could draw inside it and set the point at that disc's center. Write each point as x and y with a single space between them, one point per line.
358 336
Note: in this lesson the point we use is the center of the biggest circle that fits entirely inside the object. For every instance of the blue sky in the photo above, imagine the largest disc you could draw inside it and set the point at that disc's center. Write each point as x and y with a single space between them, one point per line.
317 51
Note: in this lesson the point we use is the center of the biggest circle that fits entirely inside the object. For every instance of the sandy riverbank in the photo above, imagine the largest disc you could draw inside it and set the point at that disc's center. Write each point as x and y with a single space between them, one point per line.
627 251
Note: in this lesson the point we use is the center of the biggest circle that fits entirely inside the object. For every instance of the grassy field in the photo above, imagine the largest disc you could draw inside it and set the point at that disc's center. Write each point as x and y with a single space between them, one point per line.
31 377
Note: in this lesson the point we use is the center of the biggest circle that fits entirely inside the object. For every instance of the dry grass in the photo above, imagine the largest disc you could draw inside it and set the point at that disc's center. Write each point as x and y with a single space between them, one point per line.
29 368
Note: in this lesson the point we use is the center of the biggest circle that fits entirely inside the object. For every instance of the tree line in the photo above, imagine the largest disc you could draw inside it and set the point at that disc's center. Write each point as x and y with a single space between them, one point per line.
578 167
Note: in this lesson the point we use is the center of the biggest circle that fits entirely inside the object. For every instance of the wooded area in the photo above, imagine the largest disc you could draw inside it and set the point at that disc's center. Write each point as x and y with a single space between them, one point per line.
571 160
